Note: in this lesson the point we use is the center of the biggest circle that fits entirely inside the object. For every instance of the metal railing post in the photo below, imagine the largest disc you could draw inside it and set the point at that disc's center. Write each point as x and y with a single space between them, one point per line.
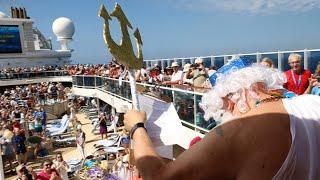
280 58
83 84
306 59
183 62
258 57
225 59
212 61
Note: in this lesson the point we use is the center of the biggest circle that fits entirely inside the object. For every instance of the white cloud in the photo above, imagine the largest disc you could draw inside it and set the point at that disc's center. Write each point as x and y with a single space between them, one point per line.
250 6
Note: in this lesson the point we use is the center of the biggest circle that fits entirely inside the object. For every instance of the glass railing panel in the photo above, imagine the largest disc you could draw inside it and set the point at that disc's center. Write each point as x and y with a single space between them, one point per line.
159 63
156 92
125 90
170 62
251 58
79 80
57 73
219 61
179 61
165 63
89 81
314 59
273 57
41 74
199 117
74 80
187 61
106 84
110 86
285 64
207 62
98 81
26 75
184 104
49 73
114 87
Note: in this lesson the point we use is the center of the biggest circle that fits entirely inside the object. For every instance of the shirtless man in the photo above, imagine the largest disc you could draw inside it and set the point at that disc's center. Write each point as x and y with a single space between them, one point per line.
260 136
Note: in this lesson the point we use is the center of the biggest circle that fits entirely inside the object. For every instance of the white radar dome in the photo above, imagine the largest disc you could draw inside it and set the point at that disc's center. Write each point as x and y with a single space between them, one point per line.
63 28
3 15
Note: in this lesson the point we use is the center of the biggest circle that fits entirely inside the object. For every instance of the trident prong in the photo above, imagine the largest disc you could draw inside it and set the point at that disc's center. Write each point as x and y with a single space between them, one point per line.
124 52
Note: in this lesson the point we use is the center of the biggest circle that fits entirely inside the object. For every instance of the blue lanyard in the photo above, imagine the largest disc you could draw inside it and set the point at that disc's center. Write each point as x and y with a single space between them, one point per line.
295 81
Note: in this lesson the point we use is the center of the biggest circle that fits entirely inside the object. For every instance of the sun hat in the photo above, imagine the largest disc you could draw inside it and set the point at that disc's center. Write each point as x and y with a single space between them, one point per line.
198 61
186 67
174 64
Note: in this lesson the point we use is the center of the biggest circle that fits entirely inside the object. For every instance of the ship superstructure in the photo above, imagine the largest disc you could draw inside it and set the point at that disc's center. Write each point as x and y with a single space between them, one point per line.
23 45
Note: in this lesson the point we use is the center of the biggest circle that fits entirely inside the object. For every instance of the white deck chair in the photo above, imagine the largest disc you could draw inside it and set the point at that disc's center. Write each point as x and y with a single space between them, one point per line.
64 141
57 123
55 131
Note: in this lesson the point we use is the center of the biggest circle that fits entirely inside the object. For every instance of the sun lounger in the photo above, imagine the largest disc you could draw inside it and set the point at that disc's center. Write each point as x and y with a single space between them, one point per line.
74 165
108 142
64 141
54 131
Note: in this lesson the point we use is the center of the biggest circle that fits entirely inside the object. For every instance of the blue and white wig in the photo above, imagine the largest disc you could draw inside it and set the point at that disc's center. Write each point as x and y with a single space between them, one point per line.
231 81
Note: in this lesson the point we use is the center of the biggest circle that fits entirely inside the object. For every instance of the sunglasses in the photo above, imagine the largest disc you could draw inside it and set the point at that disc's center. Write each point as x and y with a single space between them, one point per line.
296 62
48 165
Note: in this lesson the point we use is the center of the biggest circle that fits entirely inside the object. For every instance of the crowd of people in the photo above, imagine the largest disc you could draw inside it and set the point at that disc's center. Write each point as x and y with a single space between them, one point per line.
196 75
190 75
23 119
23 122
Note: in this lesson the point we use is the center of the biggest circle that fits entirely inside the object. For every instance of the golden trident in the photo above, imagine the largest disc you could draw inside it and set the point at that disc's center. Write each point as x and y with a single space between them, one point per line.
123 53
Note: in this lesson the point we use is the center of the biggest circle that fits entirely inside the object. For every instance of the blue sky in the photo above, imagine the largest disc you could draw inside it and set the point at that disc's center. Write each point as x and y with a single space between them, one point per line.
183 28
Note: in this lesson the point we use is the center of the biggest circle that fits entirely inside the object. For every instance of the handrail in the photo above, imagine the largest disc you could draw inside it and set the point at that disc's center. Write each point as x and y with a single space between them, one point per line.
155 86
26 75
240 54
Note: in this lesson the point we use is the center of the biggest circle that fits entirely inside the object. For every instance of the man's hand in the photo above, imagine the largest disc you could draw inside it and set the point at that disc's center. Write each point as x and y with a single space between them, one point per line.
133 117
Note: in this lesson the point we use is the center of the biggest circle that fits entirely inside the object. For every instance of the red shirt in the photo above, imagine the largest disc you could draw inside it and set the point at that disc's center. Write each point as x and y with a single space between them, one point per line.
44 176
293 84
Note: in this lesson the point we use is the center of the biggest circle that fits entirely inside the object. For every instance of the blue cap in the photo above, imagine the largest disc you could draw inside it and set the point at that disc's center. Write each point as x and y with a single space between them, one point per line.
231 66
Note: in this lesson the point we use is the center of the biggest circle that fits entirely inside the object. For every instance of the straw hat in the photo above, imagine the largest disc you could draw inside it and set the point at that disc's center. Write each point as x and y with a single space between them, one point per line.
198 61
174 64
186 67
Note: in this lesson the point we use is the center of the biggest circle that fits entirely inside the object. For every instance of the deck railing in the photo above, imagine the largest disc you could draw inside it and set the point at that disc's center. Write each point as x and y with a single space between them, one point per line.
279 58
186 101
27 75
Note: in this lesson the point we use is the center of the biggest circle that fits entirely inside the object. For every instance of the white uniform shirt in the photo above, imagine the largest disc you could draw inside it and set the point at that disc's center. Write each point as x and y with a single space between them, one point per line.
177 76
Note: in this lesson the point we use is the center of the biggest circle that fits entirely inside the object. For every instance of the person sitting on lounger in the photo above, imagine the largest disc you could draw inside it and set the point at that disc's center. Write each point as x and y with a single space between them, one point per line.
262 136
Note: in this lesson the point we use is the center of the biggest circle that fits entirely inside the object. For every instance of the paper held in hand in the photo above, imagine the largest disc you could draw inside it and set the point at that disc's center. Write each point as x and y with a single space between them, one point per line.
163 125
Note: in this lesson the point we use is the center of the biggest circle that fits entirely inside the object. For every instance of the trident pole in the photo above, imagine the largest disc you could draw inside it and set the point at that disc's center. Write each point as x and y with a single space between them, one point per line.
133 88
